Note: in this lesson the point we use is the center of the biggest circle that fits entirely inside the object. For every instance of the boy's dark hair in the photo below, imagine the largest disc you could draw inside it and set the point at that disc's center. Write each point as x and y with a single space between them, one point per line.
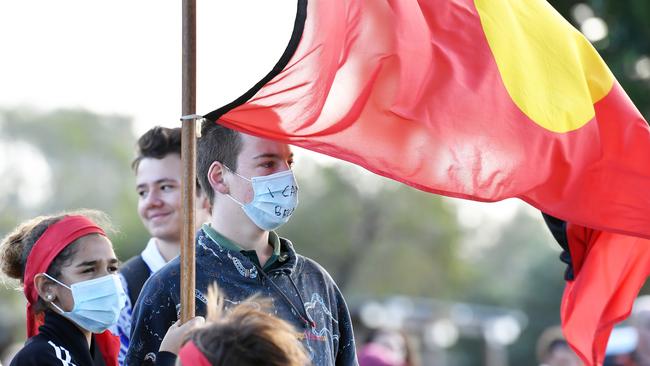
217 143
157 143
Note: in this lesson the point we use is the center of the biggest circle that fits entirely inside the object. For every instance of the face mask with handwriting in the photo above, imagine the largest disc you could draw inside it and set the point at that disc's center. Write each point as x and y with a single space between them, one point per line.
275 198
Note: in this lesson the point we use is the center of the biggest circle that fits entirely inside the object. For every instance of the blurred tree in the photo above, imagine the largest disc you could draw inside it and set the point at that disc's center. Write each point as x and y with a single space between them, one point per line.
519 247
79 160
519 269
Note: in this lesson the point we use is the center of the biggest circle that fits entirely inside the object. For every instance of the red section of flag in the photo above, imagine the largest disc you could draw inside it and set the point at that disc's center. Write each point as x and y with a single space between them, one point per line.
610 270
411 91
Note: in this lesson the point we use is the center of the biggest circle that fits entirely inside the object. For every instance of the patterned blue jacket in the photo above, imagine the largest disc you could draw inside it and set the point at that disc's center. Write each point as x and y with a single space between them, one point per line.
301 291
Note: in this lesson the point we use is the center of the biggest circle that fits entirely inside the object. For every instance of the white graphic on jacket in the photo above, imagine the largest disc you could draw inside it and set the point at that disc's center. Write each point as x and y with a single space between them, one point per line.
248 273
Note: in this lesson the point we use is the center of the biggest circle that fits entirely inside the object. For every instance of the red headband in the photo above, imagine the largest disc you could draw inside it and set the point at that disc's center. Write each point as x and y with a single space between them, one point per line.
191 355
56 238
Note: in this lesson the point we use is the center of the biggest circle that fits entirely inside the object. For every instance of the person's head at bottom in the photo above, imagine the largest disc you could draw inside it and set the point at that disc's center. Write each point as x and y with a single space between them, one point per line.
244 335
387 347
67 267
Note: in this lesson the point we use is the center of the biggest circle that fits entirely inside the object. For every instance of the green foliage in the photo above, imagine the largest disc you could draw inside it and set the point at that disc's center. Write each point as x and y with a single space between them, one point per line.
88 157
518 269
529 276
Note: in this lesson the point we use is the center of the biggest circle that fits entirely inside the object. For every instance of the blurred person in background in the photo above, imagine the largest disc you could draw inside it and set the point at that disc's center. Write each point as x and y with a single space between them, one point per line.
158 171
621 345
68 271
553 349
640 320
388 347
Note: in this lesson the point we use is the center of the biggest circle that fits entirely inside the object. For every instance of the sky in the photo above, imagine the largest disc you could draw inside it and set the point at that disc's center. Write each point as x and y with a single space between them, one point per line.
124 57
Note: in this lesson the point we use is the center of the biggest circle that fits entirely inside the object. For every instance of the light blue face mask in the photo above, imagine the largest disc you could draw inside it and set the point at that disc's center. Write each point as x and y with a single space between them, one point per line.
97 302
275 198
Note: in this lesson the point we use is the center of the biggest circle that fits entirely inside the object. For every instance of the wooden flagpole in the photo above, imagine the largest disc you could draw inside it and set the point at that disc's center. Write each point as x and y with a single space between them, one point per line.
188 156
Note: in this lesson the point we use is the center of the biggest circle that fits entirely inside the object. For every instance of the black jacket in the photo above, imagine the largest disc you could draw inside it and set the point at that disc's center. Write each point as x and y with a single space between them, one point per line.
59 342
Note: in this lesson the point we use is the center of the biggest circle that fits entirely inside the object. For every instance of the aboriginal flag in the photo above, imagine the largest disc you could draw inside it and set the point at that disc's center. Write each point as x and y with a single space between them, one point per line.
477 99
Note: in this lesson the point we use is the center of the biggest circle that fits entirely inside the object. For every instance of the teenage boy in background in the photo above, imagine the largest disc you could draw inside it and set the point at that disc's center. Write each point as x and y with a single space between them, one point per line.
158 170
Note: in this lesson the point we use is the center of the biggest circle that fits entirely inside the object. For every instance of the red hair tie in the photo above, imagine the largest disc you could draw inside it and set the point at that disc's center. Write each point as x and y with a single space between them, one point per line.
191 355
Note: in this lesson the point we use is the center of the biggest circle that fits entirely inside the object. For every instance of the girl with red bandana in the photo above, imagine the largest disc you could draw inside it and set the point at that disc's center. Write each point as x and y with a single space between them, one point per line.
68 271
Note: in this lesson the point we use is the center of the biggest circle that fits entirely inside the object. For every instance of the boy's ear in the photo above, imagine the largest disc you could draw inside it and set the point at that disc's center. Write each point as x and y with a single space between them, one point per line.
215 177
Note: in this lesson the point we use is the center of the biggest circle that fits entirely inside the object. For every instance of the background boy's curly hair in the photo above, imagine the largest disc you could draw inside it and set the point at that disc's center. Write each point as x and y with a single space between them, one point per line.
157 143
247 334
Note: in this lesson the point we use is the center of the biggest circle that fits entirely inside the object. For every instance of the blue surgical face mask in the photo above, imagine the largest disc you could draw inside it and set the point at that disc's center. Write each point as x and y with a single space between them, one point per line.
275 198
97 302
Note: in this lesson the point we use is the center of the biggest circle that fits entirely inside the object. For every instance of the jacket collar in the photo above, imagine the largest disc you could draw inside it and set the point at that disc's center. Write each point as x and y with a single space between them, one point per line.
67 335
287 257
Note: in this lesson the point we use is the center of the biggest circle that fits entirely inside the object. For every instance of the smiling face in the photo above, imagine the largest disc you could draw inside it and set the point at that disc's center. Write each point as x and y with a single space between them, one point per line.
94 258
158 184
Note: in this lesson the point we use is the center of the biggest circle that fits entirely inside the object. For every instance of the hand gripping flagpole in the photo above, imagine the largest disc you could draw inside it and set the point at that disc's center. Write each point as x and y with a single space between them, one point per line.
188 158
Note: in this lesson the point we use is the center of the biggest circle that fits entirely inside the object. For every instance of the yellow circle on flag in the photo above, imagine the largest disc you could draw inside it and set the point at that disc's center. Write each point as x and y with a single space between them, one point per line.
550 70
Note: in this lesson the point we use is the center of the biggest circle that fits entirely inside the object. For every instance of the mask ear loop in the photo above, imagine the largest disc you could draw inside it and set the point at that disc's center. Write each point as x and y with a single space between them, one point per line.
237 174
57 281
62 284
240 176
235 200
57 307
